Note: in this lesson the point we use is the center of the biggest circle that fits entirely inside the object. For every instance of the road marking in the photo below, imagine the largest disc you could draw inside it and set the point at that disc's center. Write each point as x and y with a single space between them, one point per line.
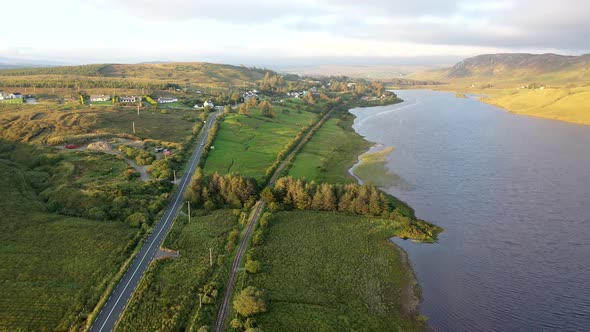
163 223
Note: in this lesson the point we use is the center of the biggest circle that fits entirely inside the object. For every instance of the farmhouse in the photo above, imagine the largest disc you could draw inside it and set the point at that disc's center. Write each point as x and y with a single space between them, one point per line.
250 94
167 100
208 103
7 96
129 99
100 98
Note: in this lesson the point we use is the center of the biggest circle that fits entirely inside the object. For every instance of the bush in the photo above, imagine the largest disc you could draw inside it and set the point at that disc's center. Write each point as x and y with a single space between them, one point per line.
250 301
137 219
253 266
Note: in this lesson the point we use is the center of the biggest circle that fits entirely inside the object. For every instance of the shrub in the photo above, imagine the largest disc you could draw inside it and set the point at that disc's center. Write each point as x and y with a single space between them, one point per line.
250 301
253 266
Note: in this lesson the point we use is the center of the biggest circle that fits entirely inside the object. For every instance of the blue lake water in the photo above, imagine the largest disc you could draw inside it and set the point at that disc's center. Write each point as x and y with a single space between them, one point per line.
513 194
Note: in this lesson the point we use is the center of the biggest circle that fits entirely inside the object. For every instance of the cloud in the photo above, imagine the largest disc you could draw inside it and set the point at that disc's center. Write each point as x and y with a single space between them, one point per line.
190 28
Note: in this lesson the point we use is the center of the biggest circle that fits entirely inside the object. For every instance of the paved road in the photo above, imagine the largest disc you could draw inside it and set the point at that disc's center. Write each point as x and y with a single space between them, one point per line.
115 305
229 287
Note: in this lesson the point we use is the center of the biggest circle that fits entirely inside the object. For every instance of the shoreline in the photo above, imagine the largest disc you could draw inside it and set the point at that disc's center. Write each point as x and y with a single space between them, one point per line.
490 99
411 294
374 157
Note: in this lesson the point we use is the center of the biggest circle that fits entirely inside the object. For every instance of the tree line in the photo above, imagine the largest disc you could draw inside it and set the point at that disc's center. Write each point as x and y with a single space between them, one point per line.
221 191
290 193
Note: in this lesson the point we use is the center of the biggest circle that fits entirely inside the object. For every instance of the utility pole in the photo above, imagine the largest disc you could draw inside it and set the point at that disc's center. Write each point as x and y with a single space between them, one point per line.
200 300
210 256
138 109
133 122
189 211
174 176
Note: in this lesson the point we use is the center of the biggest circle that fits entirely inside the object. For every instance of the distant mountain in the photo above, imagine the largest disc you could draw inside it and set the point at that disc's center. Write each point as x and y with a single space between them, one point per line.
9 63
505 63
514 68
8 66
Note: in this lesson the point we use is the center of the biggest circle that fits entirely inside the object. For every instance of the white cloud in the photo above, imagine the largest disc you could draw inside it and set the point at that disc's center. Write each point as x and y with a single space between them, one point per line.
179 29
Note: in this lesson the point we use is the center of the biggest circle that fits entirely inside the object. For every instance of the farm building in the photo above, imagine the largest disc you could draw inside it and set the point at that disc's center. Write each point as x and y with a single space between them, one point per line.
100 98
129 99
166 100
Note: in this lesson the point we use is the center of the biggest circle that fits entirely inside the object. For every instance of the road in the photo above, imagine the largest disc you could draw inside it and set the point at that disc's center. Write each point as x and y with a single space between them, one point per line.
231 281
117 301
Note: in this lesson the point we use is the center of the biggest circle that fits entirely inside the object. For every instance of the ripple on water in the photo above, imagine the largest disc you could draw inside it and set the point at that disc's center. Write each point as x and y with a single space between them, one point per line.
513 195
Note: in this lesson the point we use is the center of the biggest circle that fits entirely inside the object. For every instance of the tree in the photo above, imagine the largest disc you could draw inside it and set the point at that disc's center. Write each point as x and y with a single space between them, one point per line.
136 219
227 109
243 110
266 109
235 97
309 100
253 266
251 102
250 301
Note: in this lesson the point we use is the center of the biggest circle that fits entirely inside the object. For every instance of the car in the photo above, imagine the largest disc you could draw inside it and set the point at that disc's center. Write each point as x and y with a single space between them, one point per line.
202 144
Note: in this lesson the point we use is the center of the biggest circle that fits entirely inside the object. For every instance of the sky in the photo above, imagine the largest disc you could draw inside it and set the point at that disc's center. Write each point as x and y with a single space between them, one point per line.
258 32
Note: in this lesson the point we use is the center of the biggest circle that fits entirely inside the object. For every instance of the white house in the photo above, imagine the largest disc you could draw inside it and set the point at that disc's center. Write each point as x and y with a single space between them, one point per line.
12 95
250 95
166 100
129 99
208 103
100 98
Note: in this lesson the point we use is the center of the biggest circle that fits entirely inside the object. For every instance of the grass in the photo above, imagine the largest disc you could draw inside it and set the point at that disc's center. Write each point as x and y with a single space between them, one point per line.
54 268
333 272
372 169
565 97
173 126
52 124
126 75
248 145
565 104
101 103
167 298
175 105
330 152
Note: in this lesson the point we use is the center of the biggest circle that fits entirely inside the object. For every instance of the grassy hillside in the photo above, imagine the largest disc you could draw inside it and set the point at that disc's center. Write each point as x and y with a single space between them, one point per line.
572 105
128 75
547 85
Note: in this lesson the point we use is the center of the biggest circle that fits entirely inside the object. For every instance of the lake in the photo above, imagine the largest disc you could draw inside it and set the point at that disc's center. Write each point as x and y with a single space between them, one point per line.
513 195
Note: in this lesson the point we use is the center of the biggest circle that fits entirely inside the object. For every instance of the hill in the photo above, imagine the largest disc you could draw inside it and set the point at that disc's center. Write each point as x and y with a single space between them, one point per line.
200 73
544 85
507 69
508 64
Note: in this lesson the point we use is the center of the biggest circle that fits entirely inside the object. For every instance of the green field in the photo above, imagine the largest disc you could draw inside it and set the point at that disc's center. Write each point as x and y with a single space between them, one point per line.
175 105
102 103
333 272
54 268
330 152
167 298
248 145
